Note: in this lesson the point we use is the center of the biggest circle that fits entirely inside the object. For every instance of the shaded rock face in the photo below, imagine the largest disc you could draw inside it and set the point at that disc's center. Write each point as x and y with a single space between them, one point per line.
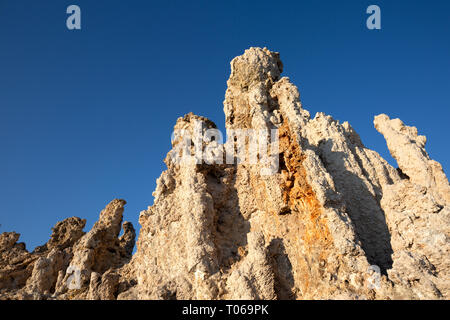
418 215
72 264
331 219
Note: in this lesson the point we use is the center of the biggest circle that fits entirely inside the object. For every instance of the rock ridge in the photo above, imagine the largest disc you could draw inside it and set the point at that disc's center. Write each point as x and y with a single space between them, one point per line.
332 220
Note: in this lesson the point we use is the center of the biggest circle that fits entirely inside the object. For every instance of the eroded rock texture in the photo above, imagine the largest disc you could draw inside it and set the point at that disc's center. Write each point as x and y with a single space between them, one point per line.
71 262
323 218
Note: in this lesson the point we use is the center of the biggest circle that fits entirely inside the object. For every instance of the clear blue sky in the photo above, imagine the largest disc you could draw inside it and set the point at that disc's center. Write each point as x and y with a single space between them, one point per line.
86 116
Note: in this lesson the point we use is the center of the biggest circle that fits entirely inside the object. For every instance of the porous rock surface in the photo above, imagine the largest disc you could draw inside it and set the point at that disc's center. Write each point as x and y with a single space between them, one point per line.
72 264
333 220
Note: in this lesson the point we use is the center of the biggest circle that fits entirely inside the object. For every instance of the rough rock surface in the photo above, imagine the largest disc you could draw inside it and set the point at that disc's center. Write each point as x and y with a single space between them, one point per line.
323 218
72 264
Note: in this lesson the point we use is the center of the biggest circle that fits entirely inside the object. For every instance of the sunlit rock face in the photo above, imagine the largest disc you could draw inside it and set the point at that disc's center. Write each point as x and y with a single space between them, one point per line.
323 218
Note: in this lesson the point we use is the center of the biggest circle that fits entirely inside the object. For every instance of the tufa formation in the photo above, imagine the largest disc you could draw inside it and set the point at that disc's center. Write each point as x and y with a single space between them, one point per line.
335 221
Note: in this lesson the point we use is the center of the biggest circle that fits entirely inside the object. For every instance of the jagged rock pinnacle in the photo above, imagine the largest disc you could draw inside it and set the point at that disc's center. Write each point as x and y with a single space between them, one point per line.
333 221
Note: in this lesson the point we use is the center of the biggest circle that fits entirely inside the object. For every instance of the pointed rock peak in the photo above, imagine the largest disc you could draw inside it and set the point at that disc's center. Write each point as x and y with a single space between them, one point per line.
66 233
332 220
188 122
254 66
111 216
8 240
